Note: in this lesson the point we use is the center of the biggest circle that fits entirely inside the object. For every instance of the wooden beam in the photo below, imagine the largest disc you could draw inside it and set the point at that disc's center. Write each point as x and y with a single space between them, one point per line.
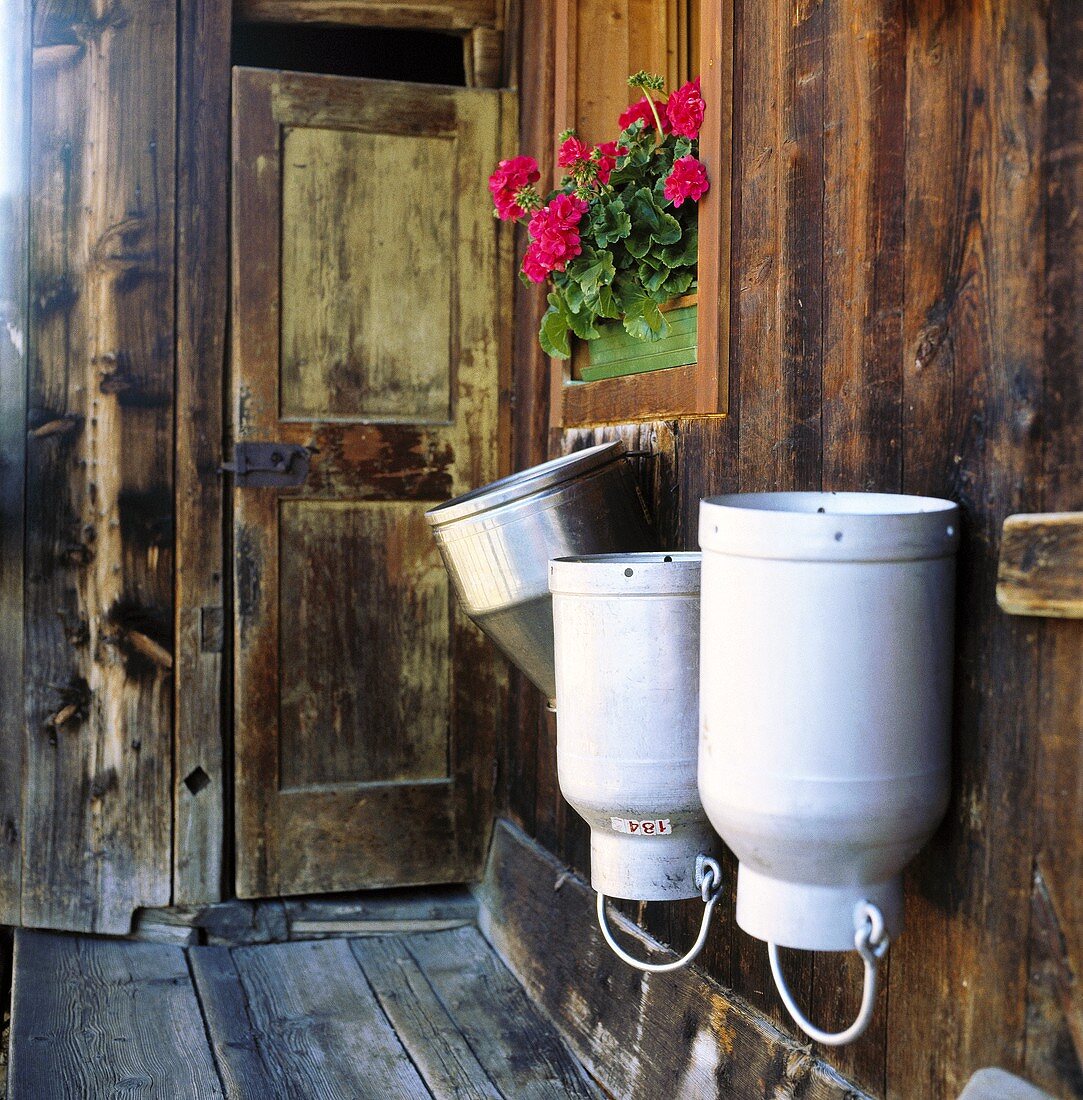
483 58
620 1024
429 15
1041 565
202 291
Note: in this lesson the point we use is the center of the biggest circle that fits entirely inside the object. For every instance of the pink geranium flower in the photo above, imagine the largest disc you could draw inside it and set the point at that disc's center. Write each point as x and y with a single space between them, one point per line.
572 151
510 177
554 237
686 180
607 160
684 110
642 110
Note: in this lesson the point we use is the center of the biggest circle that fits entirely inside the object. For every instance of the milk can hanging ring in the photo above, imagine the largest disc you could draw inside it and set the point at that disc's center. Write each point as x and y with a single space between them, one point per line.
709 880
871 941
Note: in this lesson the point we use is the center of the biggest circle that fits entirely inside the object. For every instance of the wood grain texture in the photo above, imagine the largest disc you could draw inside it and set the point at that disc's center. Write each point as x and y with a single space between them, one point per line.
483 58
366 654
518 1048
97 1017
973 339
97 816
641 1036
14 333
318 1026
441 804
199 795
1041 565
778 250
374 913
714 67
233 1037
1054 1039
349 282
864 63
432 15
436 1046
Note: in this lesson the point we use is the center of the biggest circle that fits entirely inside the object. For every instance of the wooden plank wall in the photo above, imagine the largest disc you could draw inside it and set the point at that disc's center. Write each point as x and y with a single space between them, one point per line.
14 127
905 317
99 487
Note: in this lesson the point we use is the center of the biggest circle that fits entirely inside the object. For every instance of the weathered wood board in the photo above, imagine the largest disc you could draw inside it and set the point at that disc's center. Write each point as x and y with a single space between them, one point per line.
433 15
199 795
641 1035
93 1017
14 230
1041 565
97 829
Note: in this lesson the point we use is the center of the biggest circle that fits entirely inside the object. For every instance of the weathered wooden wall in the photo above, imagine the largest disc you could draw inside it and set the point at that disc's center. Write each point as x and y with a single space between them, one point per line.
14 198
905 317
96 825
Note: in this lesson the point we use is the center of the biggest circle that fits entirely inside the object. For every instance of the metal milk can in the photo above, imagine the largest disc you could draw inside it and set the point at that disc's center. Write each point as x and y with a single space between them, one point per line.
825 696
496 543
626 628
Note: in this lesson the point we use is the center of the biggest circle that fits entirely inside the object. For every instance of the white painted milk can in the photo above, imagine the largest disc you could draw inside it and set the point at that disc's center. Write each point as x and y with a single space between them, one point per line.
825 695
626 630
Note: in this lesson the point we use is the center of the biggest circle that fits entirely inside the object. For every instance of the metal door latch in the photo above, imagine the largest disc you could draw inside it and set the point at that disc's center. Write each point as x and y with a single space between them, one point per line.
268 465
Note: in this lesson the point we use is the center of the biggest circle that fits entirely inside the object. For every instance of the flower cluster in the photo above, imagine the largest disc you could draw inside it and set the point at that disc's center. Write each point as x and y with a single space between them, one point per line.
554 237
510 185
617 238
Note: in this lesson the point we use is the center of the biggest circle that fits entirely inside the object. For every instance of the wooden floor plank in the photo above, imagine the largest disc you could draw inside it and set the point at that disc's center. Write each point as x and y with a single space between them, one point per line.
437 1047
318 1025
233 1038
520 1050
95 1017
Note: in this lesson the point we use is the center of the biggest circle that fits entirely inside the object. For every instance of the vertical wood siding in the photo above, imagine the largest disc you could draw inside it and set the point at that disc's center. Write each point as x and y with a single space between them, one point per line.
905 317
99 501
14 128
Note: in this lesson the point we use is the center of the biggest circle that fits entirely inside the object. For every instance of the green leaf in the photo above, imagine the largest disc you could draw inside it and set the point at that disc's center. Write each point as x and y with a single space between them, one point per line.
553 335
607 304
677 284
599 274
573 296
654 280
610 222
650 223
644 321
684 252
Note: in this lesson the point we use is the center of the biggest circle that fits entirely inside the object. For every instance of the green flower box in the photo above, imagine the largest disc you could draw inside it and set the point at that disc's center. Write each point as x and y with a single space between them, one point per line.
615 353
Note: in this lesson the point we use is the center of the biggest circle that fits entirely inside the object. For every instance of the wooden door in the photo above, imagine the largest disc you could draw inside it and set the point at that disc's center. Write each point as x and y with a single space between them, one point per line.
367 319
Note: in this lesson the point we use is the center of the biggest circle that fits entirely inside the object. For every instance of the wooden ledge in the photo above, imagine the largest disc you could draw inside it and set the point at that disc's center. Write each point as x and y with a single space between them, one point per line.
1041 565
675 1034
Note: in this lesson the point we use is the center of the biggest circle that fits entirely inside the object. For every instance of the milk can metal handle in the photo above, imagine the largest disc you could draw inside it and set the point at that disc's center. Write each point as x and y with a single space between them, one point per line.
871 941
709 881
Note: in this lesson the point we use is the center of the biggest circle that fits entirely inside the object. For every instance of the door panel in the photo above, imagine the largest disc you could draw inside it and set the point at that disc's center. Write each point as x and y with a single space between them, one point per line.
349 284
368 305
370 701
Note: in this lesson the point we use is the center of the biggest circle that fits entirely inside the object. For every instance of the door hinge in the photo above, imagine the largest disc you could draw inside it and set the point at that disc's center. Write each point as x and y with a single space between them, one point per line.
268 465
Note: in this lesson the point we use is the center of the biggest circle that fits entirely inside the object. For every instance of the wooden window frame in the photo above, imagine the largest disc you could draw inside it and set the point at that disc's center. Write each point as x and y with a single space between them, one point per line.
701 388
